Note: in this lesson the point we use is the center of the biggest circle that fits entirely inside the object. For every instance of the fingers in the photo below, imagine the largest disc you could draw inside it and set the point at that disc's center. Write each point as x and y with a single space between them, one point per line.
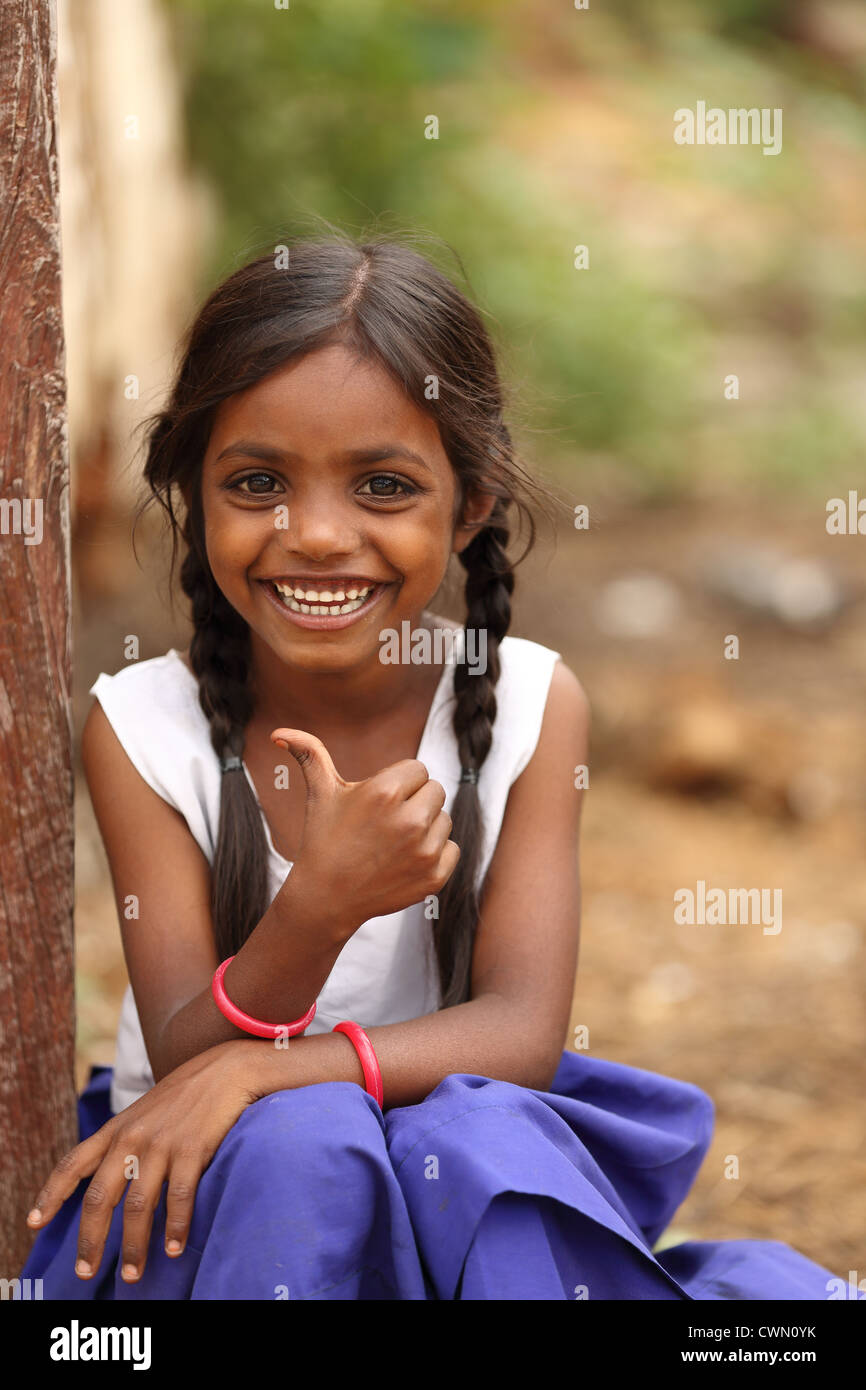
104 1155
314 760
441 853
142 1199
401 780
179 1202
97 1208
67 1173
448 861
429 800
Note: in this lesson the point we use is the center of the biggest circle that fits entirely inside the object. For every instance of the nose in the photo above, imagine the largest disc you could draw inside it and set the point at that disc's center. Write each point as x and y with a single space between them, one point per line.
320 525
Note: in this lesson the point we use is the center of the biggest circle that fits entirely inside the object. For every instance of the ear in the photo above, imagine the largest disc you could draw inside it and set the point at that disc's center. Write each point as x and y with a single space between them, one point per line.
475 513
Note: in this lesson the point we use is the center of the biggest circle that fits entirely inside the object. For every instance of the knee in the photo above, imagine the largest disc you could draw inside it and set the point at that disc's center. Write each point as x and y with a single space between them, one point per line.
315 1124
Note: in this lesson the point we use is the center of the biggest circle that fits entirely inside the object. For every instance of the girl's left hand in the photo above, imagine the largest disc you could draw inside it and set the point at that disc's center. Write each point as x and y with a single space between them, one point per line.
168 1135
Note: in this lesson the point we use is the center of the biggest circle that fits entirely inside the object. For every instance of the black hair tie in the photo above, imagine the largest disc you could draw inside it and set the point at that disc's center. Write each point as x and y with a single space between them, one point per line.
469 774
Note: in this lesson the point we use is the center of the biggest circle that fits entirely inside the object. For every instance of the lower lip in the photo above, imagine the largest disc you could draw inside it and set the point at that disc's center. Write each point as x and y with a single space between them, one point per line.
327 623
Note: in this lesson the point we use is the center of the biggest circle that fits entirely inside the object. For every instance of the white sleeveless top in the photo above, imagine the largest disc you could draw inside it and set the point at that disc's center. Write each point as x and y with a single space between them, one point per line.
386 973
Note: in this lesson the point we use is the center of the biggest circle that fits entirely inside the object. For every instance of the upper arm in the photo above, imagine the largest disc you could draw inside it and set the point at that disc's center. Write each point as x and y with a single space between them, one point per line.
528 932
161 881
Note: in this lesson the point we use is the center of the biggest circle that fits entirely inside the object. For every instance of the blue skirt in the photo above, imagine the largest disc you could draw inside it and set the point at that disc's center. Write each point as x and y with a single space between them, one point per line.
485 1190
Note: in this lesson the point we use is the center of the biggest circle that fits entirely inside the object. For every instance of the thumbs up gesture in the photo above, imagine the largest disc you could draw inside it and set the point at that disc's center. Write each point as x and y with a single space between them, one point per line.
374 847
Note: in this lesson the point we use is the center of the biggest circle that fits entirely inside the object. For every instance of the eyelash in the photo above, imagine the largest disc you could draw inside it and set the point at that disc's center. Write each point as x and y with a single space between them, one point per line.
408 489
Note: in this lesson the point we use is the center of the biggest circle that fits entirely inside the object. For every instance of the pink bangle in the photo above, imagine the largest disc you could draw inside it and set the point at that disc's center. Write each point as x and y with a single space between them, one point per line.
245 1021
369 1061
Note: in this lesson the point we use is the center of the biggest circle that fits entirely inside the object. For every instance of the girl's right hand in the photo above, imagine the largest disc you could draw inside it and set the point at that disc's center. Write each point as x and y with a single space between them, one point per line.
169 1135
374 847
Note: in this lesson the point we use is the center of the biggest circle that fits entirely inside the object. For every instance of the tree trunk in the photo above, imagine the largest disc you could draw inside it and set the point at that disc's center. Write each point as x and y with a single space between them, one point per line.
37 1018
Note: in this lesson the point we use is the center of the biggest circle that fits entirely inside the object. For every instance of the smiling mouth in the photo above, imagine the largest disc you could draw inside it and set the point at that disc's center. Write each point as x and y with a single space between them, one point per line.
333 599
323 599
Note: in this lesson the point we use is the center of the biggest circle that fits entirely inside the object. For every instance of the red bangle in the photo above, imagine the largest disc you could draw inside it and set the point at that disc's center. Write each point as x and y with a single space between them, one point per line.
245 1021
369 1061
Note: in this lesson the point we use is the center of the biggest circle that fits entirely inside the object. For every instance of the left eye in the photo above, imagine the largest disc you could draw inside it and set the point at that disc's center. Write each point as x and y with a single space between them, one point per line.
389 482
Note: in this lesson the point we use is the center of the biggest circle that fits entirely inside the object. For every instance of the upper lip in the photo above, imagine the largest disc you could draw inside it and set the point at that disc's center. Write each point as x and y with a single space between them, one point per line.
318 580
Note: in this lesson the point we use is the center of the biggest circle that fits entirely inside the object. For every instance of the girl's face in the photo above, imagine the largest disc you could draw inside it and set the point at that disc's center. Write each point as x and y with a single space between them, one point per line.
325 479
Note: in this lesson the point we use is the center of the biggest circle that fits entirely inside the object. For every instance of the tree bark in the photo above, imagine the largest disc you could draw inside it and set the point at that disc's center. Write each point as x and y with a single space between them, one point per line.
37 1016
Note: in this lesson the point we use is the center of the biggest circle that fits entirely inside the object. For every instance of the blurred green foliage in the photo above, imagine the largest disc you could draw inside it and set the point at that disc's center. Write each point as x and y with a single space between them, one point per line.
555 129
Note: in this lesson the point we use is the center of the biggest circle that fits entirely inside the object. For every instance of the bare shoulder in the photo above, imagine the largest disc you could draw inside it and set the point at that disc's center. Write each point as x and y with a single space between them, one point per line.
100 746
568 708
563 742
97 738
119 793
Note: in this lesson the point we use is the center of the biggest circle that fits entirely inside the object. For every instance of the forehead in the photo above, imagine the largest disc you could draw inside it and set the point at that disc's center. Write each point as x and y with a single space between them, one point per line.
323 402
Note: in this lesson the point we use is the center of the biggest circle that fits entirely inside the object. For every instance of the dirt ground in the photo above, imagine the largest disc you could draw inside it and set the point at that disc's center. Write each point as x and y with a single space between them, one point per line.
743 773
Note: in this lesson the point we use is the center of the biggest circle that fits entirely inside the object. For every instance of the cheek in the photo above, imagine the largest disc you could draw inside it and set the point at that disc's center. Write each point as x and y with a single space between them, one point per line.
231 548
234 526
419 548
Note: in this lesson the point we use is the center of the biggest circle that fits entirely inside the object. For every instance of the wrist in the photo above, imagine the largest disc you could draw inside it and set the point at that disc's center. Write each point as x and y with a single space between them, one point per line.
316 910
259 1067
264 1067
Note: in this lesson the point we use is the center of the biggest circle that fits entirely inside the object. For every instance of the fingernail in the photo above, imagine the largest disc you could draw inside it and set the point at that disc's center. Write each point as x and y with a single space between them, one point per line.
82 1268
129 1272
173 1247
34 1216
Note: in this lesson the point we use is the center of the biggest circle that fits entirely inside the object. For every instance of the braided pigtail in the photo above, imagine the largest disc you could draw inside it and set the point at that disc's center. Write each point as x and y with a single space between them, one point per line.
219 655
489 586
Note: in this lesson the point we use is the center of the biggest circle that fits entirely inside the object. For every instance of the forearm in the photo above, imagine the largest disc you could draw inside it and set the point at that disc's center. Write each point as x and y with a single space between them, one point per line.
275 976
488 1036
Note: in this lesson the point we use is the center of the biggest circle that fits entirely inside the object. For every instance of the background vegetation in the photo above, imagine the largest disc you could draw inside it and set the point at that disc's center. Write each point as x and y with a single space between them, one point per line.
555 129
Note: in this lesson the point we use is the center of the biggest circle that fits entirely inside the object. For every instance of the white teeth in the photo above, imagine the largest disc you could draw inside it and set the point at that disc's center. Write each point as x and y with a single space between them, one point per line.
322 595
324 603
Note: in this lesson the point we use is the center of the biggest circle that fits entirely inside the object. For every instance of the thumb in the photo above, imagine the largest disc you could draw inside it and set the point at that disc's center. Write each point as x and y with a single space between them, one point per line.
314 760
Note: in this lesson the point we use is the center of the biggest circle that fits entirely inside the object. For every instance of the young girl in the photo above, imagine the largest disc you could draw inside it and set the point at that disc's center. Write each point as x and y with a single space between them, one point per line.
390 844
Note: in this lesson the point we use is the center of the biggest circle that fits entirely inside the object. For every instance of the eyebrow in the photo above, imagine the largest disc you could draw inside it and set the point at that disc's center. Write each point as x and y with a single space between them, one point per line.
371 453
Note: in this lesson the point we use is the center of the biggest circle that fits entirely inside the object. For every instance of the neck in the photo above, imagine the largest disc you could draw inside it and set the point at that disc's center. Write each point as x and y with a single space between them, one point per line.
308 699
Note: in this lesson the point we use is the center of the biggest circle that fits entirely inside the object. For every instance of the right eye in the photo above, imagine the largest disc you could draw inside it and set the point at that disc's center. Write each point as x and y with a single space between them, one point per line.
250 478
